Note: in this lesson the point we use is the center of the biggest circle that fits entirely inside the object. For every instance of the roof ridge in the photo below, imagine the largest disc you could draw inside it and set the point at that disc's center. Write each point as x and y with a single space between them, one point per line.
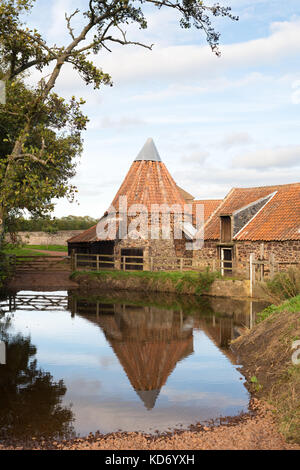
219 207
268 186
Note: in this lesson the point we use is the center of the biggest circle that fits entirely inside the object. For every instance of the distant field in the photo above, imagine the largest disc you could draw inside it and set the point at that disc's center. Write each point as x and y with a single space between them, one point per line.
48 248
32 250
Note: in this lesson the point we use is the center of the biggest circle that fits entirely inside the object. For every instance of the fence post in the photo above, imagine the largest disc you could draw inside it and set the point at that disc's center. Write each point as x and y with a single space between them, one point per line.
124 262
73 260
251 273
181 264
272 262
151 263
97 263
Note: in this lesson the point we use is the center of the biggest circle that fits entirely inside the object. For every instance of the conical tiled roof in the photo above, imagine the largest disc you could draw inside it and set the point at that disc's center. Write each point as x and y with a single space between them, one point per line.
148 181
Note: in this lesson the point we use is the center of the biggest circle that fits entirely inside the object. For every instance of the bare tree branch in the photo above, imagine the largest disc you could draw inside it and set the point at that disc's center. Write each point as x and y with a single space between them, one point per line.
68 20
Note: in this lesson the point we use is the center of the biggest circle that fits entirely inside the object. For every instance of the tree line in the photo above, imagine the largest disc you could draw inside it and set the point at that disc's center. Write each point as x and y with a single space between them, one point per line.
42 224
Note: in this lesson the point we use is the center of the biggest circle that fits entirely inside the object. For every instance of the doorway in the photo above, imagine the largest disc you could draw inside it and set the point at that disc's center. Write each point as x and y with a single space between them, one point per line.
226 261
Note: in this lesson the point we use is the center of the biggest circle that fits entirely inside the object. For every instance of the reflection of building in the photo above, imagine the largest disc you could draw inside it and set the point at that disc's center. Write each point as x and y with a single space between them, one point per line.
149 342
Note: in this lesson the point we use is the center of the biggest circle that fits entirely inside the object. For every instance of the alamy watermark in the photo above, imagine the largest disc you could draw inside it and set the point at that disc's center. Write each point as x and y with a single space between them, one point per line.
161 222
2 353
2 92
296 353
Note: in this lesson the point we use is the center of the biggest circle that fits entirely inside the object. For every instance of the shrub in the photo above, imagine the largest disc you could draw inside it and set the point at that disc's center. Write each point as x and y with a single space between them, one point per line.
284 285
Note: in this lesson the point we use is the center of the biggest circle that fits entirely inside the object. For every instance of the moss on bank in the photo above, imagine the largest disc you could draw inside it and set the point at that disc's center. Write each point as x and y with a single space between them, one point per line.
266 355
178 282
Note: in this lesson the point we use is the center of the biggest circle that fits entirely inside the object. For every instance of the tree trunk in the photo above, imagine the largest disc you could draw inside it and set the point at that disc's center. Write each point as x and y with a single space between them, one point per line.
2 215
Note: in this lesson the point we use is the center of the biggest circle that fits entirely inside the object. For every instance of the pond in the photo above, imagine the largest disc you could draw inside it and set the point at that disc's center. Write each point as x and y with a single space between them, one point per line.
118 361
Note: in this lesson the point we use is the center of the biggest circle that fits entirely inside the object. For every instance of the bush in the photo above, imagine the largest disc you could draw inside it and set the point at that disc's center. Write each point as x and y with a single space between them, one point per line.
5 269
284 285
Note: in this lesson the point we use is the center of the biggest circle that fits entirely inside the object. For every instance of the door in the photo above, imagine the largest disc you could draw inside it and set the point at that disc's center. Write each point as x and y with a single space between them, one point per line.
132 259
226 261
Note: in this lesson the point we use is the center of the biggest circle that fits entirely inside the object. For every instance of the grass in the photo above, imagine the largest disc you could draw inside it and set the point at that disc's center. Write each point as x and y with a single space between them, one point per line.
20 251
198 283
291 305
31 250
49 247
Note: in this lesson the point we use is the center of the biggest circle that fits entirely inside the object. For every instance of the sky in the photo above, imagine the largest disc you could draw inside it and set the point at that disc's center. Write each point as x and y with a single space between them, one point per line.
218 122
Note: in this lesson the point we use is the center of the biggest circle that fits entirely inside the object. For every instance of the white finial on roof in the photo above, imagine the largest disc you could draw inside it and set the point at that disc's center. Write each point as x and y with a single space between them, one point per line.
149 152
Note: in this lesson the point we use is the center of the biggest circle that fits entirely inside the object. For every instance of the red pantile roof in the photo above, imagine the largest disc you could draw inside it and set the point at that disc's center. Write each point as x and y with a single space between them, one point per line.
149 182
210 205
278 219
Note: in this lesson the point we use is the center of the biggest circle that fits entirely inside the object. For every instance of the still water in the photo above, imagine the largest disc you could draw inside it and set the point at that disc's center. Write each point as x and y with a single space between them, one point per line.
113 362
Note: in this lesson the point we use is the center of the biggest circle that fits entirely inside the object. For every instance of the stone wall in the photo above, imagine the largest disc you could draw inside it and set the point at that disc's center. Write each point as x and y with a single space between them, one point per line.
43 238
283 252
209 252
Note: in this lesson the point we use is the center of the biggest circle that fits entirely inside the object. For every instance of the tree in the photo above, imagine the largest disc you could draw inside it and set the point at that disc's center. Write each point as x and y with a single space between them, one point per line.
21 49
43 170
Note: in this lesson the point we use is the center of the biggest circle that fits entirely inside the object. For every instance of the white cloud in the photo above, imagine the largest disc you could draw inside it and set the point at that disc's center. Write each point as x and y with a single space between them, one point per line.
122 122
236 139
269 158
194 61
197 157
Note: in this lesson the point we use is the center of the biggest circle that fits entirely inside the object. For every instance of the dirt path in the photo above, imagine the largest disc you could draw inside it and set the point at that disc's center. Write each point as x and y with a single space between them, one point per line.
251 432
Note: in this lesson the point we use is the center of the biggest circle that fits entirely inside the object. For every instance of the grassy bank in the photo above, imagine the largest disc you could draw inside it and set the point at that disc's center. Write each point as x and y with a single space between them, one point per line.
266 355
177 282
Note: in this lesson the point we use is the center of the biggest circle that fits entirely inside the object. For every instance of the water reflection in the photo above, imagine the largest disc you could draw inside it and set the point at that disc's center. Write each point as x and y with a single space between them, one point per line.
148 342
174 352
30 400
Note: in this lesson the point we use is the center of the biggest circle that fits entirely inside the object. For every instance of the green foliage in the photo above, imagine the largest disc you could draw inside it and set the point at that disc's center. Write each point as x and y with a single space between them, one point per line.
5 269
284 285
42 224
36 176
195 282
291 305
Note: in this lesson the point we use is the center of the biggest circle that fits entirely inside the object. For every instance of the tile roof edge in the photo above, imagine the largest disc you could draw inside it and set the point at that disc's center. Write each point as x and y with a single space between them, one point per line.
219 206
81 233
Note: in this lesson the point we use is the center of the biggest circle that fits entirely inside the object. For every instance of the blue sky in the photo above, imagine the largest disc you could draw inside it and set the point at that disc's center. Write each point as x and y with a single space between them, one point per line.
218 123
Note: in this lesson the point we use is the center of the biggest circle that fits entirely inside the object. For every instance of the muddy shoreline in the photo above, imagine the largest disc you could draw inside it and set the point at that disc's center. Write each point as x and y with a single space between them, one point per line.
250 431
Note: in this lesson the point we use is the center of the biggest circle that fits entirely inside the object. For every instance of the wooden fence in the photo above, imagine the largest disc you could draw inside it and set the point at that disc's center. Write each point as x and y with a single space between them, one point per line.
102 262
40 263
98 262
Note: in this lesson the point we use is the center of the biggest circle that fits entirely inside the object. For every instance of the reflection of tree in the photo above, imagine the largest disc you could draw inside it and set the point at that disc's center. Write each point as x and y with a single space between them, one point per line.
30 401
